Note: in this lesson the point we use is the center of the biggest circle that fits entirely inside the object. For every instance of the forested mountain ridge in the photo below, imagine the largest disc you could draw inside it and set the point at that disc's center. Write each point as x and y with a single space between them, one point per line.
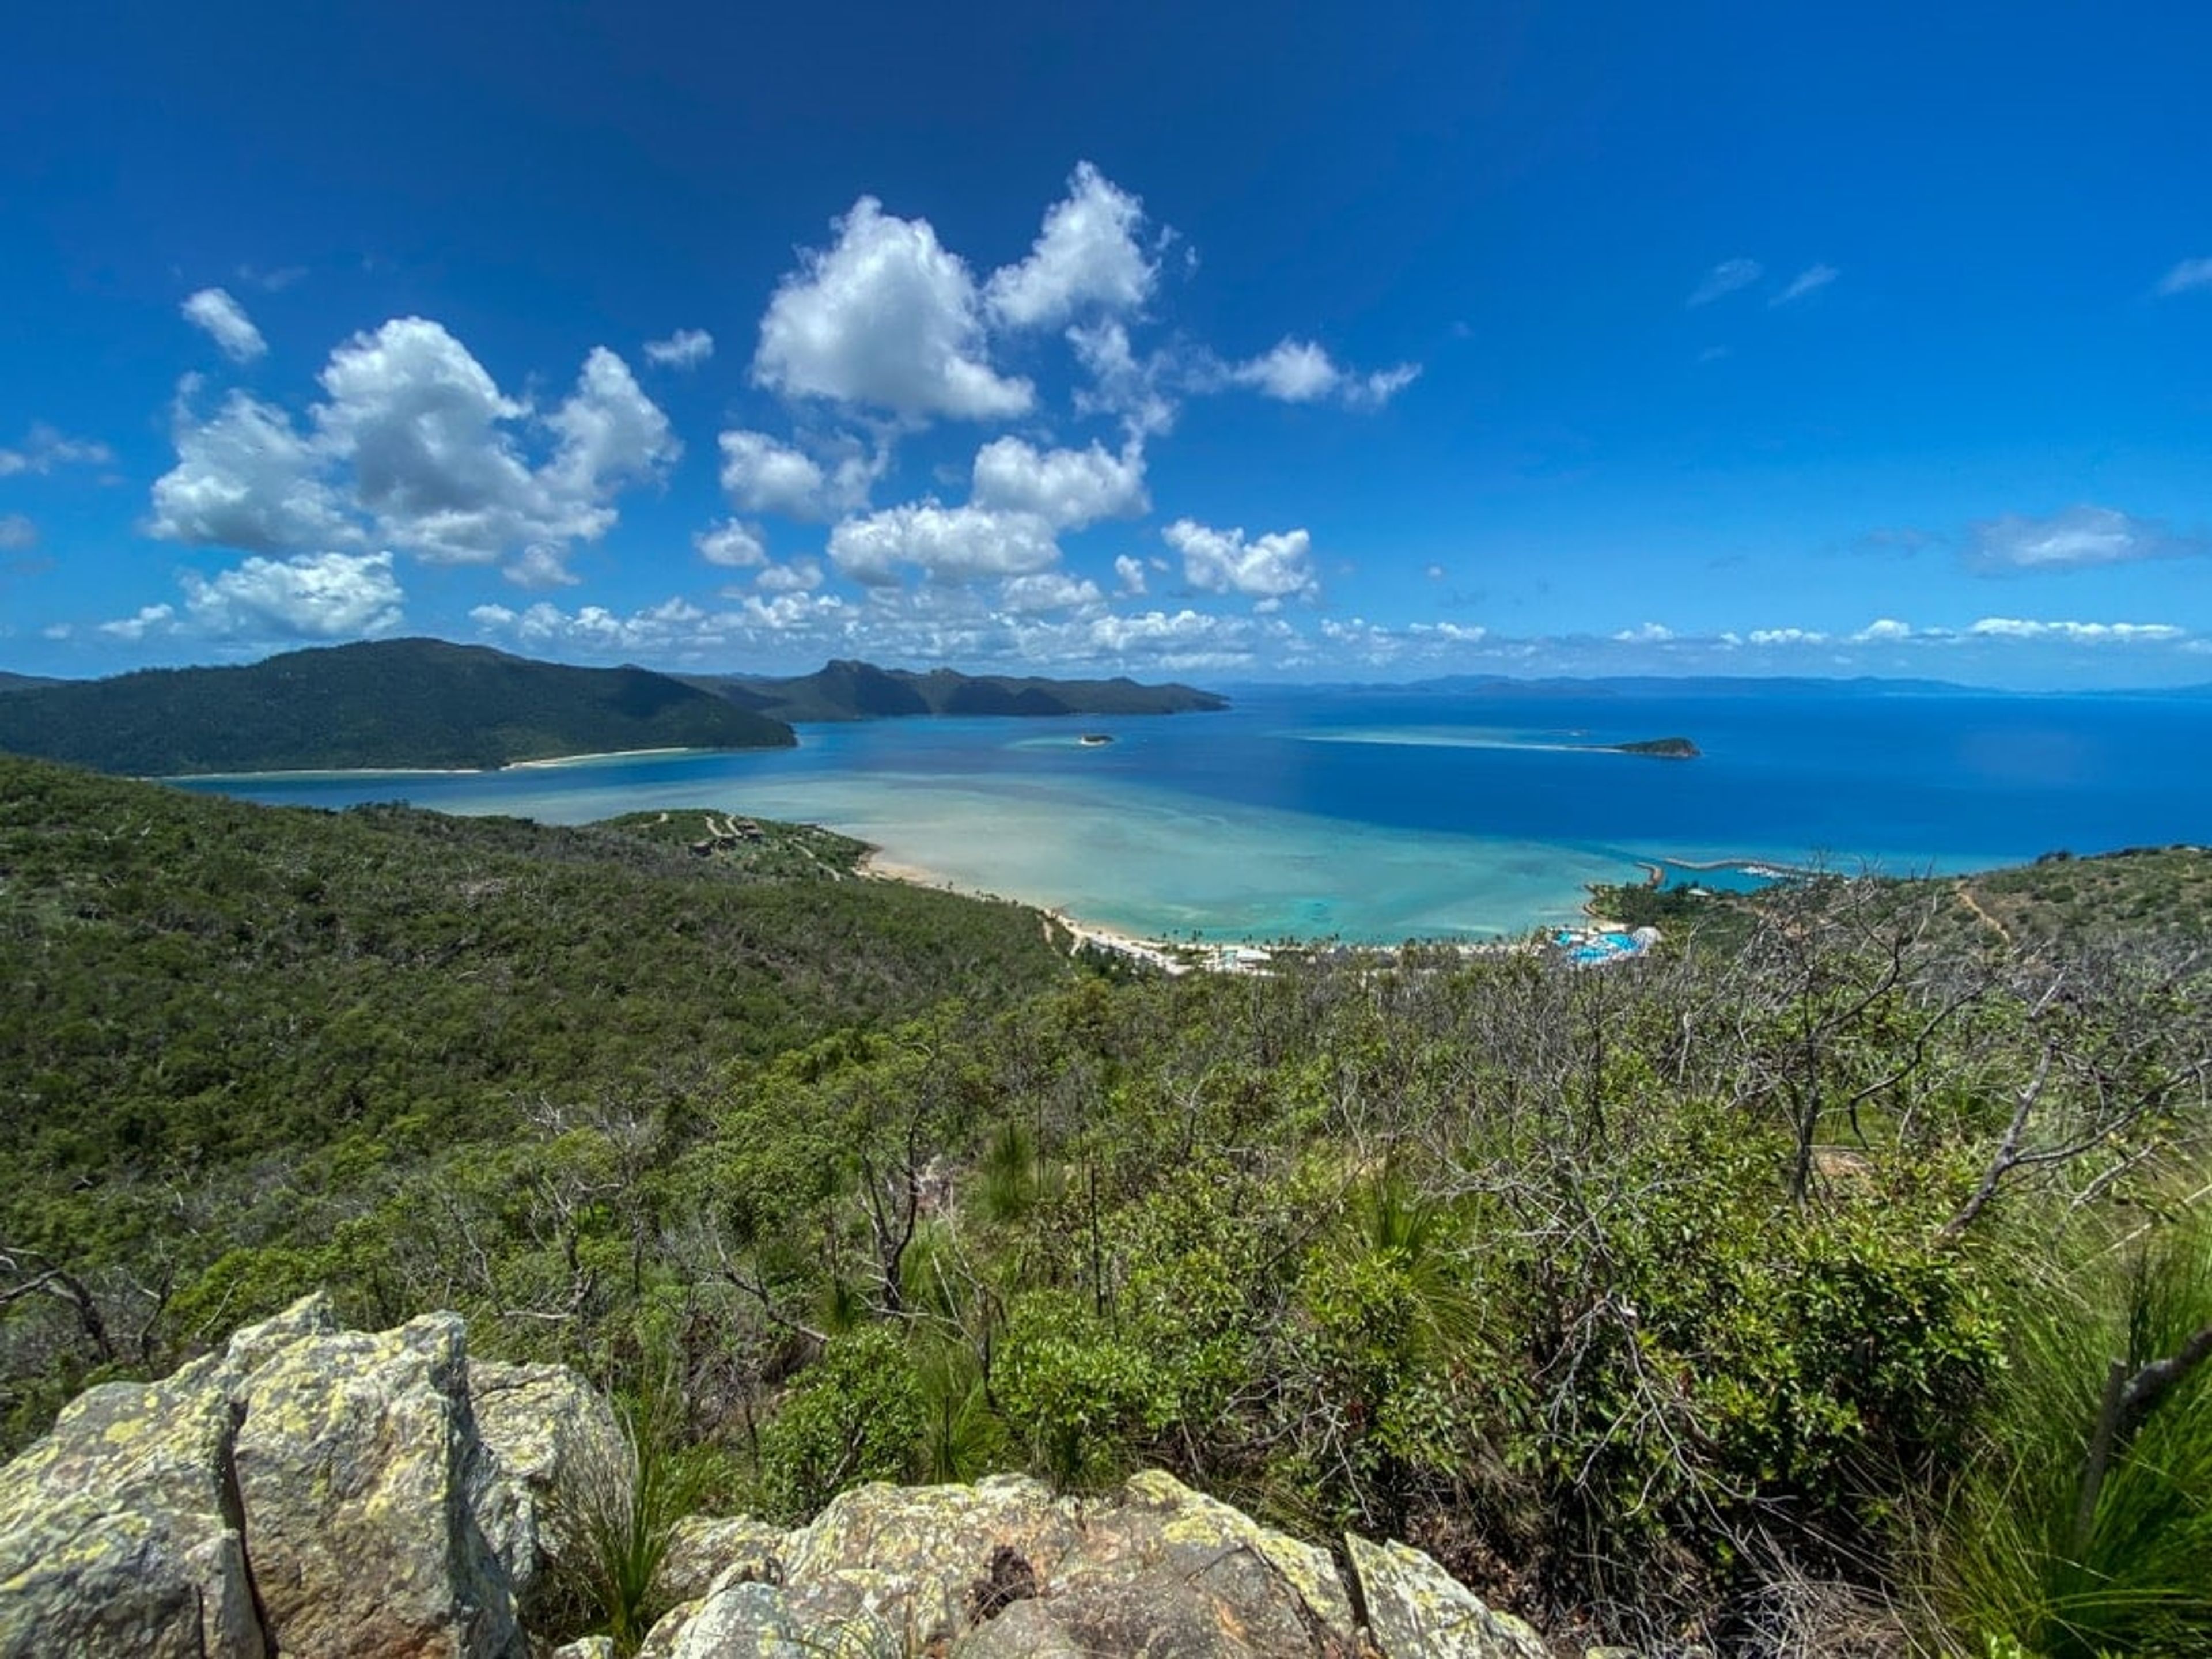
847 690
1766 1294
382 703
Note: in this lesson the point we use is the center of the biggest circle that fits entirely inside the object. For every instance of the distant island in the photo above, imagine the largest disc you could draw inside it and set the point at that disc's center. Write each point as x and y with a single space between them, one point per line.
1096 740
421 704
848 691
1655 748
396 704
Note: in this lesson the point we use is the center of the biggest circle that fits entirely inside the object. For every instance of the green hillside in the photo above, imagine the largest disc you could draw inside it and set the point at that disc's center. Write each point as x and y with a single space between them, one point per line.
1765 1293
397 703
846 690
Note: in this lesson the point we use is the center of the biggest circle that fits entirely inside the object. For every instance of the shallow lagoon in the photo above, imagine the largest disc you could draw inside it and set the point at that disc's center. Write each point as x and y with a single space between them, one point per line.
1376 817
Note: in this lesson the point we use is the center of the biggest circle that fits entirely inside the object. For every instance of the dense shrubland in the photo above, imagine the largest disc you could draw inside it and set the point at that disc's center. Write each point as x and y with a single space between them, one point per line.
1766 1295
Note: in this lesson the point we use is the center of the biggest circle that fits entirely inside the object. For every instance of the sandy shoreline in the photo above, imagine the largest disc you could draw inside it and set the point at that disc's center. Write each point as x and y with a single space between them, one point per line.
598 755
1235 955
1249 956
540 764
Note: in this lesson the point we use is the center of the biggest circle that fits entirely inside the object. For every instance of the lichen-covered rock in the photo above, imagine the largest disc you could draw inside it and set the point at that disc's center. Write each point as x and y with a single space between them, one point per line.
585 1647
1003 1567
905 1556
1416 1610
548 1431
709 1552
1234 1607
306 1490
750 1620
1194 1531
120 1532
360 1469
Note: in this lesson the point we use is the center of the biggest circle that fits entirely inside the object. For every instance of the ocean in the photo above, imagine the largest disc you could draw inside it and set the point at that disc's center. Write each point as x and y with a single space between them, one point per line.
1378 816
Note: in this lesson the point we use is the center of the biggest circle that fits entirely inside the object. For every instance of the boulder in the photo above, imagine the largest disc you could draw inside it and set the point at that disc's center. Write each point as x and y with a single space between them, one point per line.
1191 1533
905 1557
304 1491
549 1433
360 1470
121 1532
1003 1567
706 1553
1233 1608
1416 1610
749 1620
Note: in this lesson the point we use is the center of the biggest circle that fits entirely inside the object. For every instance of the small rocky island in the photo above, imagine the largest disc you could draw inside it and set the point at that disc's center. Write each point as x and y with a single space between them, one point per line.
1656 748
1096 740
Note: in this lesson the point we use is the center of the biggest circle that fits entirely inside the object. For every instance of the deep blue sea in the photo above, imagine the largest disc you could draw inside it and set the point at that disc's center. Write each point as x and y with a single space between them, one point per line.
1383 815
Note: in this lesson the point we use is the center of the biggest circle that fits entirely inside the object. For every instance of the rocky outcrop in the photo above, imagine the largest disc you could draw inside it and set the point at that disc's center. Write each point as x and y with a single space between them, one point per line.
1416 1610
1003 1568
312 1492
120 1532
548 1431
360 1468
307 1492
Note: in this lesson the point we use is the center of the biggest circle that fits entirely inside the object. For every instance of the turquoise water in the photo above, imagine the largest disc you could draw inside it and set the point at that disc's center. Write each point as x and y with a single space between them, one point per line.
1376 817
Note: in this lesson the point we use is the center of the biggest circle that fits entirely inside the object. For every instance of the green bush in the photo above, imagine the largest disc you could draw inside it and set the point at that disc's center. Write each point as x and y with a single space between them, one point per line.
857 1415
1082 1397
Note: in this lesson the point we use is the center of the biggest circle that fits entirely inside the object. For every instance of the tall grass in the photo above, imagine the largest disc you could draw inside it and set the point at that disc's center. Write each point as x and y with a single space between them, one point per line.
2022 1566
617 1510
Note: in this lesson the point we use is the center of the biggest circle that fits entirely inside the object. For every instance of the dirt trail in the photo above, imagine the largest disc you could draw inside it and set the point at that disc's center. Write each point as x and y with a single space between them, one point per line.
1966 897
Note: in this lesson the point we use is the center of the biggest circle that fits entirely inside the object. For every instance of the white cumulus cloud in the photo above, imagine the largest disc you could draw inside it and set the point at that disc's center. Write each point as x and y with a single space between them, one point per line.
1130 573
886 318
415 443
1301 371
2013 627
610 434
540 565
687 348
147 619
948 544
1089 254
763 475
315 596
226 322
249 479
731 543
1273 567
431 443
1067 488
1048 590
799 576
1139 391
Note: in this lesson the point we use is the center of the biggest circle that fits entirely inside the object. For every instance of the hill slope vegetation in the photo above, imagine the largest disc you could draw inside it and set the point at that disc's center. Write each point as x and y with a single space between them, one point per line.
397 704
1700 1294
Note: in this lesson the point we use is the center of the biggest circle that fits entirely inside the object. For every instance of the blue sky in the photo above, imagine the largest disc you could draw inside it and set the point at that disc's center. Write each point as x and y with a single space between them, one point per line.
1223 342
